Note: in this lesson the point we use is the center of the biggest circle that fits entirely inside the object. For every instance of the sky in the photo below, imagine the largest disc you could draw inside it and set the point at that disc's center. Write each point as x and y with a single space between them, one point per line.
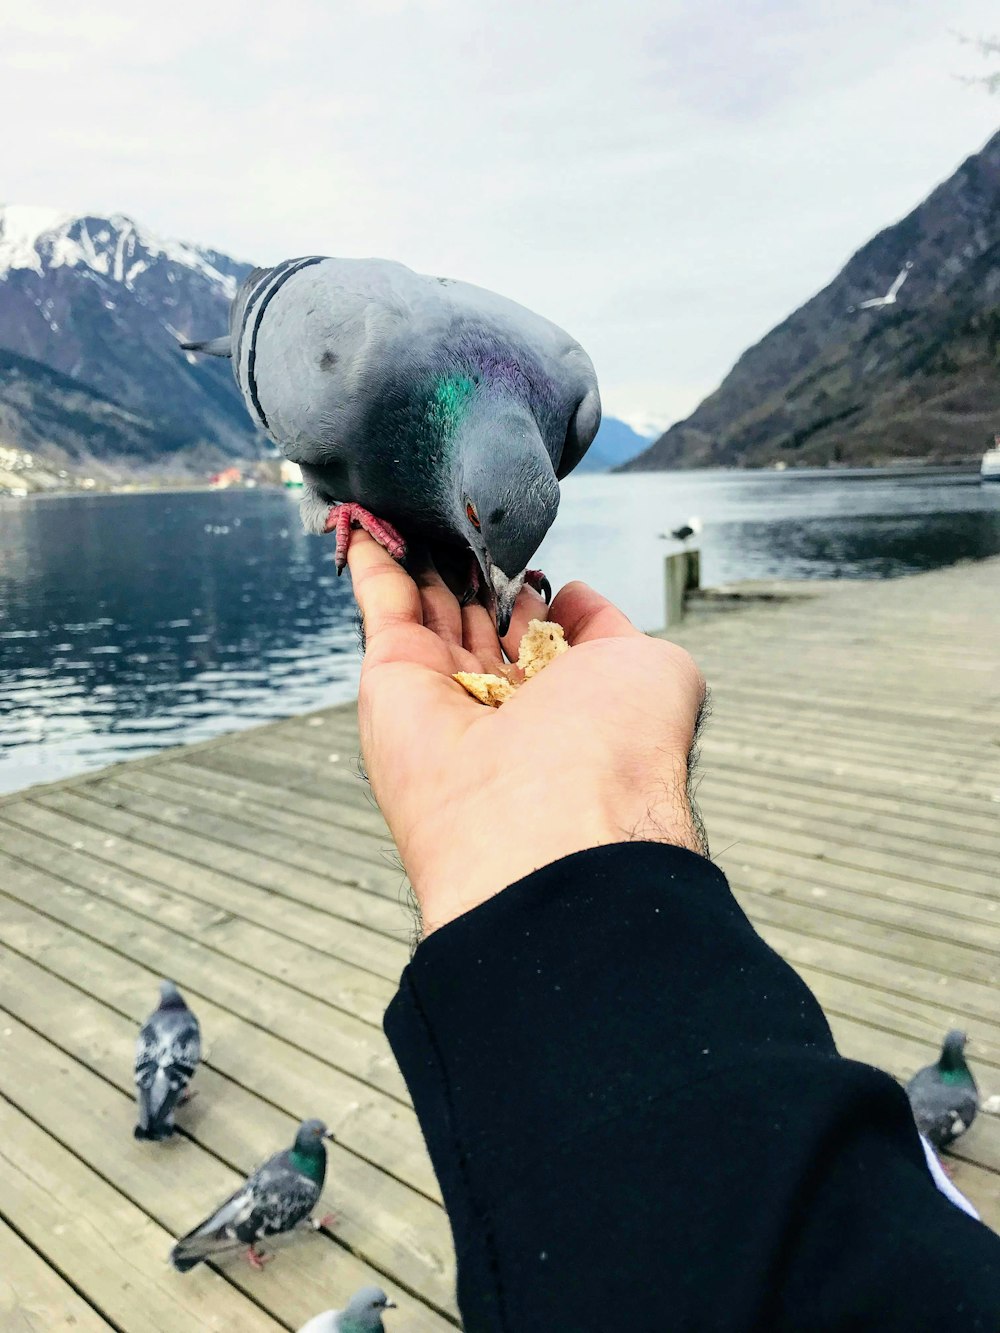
667 179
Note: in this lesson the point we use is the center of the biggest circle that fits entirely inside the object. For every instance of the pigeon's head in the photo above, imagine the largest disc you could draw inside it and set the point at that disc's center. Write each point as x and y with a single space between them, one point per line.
364 1309
953 1050
506 497
311 1133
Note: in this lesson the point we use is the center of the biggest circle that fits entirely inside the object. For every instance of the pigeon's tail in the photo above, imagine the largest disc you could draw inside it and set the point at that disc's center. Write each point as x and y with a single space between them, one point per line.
211 346
154 1133
188 1254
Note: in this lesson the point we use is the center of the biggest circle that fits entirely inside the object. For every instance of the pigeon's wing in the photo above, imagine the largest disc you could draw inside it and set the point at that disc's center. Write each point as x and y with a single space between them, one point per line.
220 1232
283 1197
583 427
167 1051
870 305
901 277
313 347
943 1112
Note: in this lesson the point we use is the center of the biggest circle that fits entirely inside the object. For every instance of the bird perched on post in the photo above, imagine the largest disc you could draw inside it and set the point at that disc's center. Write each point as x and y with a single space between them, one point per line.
419 408
361 1314
166 1054
276 1198
944 1096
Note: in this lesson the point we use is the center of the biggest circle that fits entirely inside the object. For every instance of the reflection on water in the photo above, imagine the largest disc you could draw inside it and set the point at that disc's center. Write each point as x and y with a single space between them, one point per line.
132 622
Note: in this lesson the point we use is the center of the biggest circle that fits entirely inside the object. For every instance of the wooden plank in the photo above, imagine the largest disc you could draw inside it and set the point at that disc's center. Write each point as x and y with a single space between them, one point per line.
386 1224
357 944
334 859
34 1298
103 1244
354 901
281 953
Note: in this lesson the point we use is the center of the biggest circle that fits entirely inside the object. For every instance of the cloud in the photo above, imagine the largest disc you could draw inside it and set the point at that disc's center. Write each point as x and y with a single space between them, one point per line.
666 179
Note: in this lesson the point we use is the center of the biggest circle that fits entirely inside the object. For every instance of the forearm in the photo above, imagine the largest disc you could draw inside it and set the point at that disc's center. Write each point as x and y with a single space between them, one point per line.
632 1105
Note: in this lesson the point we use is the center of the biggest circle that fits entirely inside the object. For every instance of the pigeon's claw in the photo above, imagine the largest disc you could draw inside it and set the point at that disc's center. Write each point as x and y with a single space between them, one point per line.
343 517
535 578
473 585
256 1260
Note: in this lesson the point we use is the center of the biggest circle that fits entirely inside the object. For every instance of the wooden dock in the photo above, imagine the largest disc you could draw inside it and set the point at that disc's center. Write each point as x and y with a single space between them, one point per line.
851 790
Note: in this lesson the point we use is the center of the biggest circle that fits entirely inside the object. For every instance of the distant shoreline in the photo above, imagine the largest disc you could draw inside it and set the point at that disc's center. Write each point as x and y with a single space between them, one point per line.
901 469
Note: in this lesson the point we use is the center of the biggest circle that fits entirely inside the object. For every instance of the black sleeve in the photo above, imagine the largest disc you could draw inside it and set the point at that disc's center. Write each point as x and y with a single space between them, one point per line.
640 1122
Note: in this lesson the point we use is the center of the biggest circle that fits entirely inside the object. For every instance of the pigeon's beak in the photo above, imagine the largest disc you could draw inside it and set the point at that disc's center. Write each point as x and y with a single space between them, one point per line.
391 1305
329 1135
505 592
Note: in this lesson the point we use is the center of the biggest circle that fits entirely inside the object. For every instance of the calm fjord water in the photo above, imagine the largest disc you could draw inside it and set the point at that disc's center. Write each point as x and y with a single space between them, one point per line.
132 622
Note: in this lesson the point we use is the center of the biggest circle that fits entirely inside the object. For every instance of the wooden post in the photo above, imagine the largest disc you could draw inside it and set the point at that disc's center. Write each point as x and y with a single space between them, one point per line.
682 574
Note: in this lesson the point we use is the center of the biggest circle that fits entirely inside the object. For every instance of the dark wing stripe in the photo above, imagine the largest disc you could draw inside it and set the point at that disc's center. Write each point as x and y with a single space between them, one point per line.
296 267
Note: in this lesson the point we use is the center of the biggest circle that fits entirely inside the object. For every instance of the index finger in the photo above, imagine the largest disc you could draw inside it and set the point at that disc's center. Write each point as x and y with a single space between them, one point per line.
386 594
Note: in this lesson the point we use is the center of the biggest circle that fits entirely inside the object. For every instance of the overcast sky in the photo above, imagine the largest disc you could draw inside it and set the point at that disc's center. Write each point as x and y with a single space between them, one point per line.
665 178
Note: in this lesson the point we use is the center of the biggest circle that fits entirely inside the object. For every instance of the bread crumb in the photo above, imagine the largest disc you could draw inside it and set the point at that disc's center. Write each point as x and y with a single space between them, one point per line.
542 643
492 690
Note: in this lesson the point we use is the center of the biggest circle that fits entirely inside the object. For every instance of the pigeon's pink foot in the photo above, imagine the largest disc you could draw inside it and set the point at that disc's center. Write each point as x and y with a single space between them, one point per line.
342 518
256 1260
187 1095
328 1220
534 578
946 1166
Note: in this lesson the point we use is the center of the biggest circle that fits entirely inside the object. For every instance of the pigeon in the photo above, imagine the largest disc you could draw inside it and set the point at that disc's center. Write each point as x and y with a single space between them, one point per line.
277 1197
361 1314
687 530
944 1096
415 405
166 1054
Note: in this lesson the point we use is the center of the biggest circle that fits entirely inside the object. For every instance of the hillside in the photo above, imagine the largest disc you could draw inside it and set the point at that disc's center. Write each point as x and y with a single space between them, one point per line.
917 379
99 303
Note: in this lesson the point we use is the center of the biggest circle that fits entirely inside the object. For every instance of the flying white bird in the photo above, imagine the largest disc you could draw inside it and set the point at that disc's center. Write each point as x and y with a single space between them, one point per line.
877 302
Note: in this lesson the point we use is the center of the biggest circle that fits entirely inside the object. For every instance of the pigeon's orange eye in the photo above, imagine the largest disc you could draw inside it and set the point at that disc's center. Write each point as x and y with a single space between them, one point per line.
470 514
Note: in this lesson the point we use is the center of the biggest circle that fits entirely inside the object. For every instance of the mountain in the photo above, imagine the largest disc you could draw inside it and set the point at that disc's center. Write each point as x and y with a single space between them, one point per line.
918 379
616 443
91 309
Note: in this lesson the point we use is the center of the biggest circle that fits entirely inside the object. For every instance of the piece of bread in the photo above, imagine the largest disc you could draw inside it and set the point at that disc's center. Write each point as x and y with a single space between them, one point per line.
542 643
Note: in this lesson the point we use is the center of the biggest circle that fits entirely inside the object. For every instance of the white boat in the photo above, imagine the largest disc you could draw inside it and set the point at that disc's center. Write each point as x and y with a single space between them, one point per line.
990 469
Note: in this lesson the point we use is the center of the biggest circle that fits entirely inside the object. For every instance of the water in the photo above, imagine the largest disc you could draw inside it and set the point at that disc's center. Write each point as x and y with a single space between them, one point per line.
132 622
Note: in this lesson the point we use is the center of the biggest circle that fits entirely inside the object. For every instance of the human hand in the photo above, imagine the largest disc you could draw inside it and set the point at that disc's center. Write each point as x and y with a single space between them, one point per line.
592 750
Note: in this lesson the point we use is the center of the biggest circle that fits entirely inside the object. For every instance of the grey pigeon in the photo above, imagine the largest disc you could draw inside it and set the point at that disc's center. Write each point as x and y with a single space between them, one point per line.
944 1096
445 410
166 1054
277 1197
361 1314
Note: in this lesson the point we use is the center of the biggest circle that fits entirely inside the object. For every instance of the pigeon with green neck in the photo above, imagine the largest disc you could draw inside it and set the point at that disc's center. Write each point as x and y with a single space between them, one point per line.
276 1198
944 1096
361 1314
421 409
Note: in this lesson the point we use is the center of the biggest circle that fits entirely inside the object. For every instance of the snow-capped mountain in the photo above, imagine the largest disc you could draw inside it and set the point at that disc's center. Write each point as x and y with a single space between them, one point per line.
103 301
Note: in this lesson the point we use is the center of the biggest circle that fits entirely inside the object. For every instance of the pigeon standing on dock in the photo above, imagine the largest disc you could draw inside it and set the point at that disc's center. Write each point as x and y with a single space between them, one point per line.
944 1096
418 408
166 1055
361 1314
276 1198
